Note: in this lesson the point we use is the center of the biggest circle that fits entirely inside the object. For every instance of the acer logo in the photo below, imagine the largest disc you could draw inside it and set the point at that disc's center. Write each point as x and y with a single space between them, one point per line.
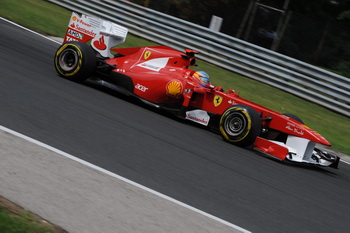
141 87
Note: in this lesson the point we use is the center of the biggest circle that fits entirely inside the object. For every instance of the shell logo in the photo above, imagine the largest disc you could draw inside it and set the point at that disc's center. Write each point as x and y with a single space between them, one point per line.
74 18
174 88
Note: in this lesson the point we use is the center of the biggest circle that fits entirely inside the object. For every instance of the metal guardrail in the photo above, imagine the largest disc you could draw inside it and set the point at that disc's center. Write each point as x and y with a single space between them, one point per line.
298 78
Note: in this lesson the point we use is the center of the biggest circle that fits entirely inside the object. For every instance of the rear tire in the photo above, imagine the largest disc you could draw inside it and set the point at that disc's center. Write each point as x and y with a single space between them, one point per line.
75 61
240 125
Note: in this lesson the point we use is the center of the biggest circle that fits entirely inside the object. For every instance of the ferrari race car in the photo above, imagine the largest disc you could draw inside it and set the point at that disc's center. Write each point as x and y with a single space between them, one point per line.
160 76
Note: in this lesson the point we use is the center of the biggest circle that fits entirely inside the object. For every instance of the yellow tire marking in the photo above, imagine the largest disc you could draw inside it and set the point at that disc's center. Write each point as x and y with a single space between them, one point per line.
79 59
249 125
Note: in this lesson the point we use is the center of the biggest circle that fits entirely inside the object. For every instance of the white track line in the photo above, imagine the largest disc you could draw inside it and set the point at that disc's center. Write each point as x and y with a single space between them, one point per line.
121 178
27 29
345 162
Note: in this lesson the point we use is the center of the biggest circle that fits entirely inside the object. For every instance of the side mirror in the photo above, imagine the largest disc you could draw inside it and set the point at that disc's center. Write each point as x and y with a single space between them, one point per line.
210 86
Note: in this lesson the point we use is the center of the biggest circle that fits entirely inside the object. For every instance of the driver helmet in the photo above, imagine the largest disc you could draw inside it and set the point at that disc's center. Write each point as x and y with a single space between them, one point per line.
202 77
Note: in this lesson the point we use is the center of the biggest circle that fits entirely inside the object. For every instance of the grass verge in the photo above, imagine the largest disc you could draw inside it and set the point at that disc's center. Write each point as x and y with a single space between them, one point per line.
22 223
14 219
50 19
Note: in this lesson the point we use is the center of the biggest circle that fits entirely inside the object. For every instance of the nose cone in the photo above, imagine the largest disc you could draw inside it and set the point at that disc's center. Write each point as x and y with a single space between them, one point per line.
296 128
315 136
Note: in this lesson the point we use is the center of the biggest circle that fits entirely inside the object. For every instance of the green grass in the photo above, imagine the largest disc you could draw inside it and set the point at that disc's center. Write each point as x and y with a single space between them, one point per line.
24 222
50 19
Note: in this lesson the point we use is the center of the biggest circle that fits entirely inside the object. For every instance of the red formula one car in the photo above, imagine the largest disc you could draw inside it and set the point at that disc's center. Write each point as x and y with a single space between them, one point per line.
160 76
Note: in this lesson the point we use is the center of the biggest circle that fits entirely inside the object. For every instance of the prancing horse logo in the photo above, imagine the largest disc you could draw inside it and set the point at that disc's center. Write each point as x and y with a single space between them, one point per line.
147 55
217 100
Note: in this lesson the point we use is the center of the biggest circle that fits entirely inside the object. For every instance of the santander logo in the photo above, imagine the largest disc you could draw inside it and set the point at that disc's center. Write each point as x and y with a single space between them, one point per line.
100 44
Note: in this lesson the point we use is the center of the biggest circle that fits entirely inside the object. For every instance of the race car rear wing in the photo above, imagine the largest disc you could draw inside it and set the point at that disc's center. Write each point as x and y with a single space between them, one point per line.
101 34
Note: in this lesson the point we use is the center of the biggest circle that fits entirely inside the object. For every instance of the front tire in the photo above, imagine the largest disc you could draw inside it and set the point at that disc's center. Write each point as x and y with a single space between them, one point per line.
240 125
75 61
294 117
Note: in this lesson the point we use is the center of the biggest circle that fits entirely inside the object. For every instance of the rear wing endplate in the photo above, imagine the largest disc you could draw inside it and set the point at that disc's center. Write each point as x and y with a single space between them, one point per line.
102 34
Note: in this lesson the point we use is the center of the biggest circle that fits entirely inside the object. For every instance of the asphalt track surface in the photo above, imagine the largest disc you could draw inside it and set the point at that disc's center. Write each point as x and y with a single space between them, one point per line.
180 160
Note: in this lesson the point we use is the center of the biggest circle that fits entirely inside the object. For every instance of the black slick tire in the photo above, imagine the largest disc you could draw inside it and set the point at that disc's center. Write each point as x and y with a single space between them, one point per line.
240 125
75 61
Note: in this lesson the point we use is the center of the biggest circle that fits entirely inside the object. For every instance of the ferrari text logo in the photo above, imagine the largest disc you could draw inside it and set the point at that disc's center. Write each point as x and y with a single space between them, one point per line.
147 55
217 100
